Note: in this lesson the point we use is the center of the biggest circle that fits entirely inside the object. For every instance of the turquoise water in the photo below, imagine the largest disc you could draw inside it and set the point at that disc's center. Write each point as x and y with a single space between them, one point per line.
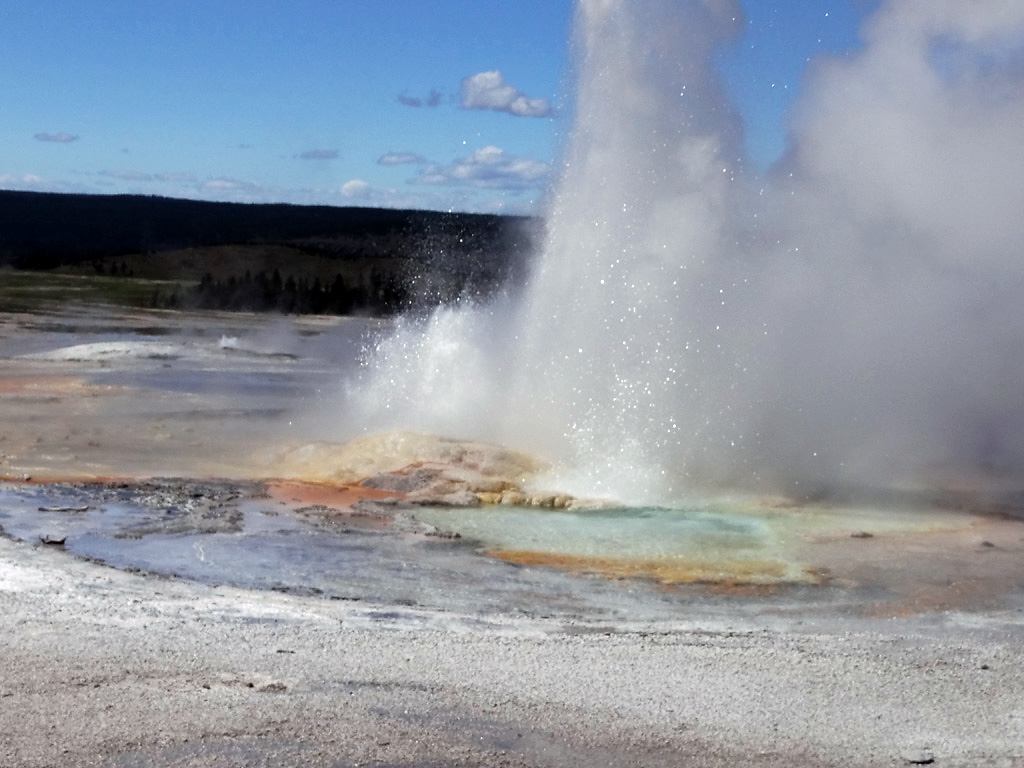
619 532
729 540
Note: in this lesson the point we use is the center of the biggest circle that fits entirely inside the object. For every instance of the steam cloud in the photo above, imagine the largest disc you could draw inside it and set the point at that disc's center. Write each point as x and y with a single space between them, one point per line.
898 346
852 319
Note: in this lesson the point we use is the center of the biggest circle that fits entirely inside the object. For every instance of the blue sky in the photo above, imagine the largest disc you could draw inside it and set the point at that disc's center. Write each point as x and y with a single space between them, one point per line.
441 104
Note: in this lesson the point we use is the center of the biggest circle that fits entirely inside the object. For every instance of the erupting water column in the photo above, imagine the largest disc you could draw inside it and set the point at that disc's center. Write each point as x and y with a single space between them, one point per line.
623 355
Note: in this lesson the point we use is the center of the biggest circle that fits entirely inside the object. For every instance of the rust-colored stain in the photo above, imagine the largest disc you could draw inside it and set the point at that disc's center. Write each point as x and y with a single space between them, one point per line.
336 496
732 574
332 503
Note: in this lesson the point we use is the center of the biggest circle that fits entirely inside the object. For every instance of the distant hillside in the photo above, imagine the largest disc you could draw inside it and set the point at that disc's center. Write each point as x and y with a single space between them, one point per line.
381 260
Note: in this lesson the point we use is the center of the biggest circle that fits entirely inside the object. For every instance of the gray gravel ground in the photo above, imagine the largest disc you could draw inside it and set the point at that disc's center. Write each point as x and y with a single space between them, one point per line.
100 667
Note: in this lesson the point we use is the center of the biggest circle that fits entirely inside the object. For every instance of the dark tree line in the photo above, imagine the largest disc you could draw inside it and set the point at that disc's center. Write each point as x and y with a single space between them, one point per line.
116 269
40 230
264 292
384 260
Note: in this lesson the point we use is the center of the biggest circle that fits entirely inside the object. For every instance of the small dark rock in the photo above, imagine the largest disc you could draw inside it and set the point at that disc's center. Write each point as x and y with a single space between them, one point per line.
862 535
444 534
918 757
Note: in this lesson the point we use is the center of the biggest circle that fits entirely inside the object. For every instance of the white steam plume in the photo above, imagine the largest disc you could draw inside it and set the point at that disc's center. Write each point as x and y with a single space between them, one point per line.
901 348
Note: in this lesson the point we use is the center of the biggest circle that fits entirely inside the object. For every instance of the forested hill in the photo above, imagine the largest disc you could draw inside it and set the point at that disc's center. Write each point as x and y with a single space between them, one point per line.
276 257
44 230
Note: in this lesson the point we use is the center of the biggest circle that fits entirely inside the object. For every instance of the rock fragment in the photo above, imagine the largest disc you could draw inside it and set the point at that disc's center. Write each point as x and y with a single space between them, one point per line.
918 756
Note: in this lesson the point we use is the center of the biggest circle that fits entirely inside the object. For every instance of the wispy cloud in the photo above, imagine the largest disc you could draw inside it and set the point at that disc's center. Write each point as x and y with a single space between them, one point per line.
32 182
487 168
488 90
24 181
128 175
58 138
400 158
362 193
318 154
432 99
176 177
232 188
462 195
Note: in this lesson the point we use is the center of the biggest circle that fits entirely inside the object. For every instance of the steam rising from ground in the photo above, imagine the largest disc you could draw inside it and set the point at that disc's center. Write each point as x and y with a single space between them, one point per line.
853 318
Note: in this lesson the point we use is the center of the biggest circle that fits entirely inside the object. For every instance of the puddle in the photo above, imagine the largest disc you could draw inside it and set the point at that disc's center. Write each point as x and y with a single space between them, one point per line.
145 394
238 384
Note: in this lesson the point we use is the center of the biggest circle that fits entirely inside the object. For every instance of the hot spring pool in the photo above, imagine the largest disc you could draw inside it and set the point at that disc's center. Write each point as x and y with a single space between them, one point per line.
737 539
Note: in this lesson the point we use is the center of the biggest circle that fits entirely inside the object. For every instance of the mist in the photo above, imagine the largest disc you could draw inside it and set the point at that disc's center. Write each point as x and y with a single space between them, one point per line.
893 289
848 319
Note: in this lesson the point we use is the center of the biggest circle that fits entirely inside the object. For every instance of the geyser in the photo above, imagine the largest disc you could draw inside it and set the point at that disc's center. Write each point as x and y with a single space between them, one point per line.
850 318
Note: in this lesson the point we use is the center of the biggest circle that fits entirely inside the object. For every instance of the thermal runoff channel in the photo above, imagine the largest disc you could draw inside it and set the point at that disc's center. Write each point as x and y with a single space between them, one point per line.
849 319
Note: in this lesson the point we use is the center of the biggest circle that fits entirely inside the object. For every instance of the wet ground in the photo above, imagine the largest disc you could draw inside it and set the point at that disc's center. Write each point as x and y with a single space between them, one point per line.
135 393
96 403
240 535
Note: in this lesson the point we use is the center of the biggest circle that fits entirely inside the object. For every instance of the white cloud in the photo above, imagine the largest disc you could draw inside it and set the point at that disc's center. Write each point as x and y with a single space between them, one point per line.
355 188
488 90
487 168
400 158
58 138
